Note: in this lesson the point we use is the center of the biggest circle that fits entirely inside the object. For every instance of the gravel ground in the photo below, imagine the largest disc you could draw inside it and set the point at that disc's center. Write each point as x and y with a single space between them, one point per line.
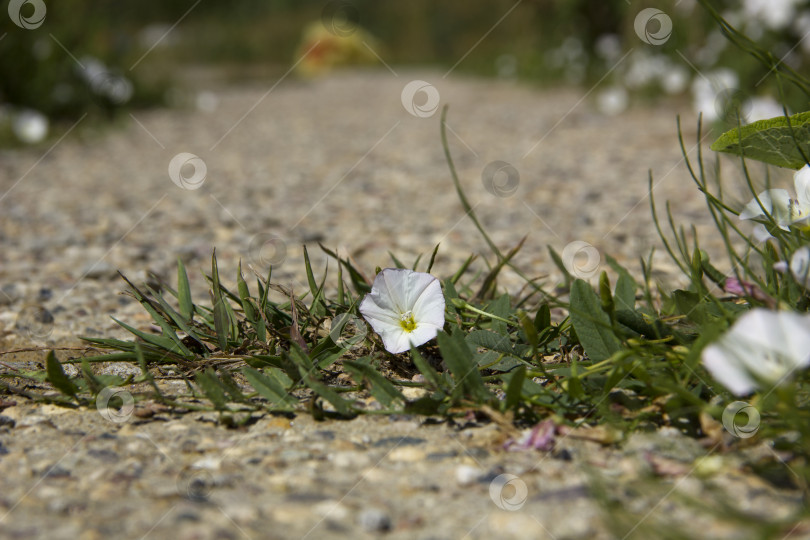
338 161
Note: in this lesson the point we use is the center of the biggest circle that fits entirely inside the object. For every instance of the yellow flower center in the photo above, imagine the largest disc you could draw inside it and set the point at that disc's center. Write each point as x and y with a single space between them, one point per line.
407 322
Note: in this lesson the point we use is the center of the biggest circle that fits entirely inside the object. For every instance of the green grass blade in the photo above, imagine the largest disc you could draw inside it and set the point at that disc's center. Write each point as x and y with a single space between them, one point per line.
184 292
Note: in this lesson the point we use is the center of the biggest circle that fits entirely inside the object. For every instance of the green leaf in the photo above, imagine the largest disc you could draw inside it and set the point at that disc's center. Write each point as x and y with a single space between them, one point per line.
490 340
57 376
513 389
430 374
625 292
213 389
773 141
220 311
558 262
381 388
432 258
158 341
543 318
268 387
318 308
591 324
233 390
184 292
501 308
459 359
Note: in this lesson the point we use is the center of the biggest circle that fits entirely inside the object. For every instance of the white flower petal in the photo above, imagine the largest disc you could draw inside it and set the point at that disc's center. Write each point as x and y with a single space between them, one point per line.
727 371
760 233
801 181
378 317
762 346
396 340
429 306
800 266
796 339
775 201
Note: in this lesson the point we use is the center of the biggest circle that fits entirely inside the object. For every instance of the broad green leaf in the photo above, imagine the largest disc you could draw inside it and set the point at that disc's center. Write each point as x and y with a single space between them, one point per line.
591 324
430 374
268 387
459 359
501 308
213 389
625 292
231 387
381 388
543 318
772 141
513 388
490 340
57 376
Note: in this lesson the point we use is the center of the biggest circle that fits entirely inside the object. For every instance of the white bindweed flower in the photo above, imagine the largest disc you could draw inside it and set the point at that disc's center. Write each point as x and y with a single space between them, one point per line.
799 266
30 126
405 308
779 204
762 347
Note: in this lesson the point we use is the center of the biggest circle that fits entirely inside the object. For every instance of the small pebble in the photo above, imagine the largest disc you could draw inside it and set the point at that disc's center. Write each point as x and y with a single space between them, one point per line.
407 454
9 294
467 475
374 520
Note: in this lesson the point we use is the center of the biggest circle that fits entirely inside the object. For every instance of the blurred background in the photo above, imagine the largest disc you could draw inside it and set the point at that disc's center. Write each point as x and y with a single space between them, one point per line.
103 57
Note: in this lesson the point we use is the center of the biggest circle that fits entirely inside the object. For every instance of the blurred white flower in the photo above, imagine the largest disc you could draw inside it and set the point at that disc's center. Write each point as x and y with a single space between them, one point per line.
761 349
778 203
207 101
644 69
30 126
706 89
775 14
763 108
608 47
612 101
405 308
104 82
674 80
